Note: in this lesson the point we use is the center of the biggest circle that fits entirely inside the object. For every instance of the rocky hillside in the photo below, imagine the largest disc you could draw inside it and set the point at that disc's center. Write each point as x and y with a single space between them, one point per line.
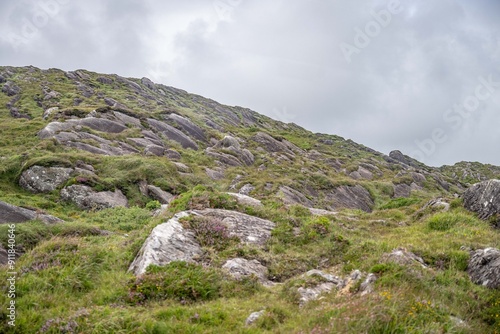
140 207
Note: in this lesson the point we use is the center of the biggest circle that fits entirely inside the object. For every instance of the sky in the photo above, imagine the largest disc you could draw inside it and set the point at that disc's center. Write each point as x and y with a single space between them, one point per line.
422 77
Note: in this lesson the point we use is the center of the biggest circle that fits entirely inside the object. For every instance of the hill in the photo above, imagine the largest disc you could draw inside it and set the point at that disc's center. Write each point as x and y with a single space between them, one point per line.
237 213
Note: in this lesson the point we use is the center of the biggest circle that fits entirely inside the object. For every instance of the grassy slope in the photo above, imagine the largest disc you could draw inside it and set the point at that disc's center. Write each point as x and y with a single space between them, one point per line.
72 275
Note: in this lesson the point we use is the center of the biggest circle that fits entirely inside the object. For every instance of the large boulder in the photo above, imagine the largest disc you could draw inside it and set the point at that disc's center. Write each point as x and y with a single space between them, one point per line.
38 179
13 214
88 199
484 267
484 199
173 134
167 242
187 126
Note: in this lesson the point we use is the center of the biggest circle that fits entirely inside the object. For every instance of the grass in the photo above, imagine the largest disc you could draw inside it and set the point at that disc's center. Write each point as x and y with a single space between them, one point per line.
74 276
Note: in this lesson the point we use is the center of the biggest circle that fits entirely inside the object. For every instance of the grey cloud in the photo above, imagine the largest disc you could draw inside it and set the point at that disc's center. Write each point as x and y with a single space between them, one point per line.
282 58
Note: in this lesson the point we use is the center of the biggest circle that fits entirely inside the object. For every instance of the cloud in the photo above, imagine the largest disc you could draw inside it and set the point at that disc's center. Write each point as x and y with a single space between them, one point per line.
285 55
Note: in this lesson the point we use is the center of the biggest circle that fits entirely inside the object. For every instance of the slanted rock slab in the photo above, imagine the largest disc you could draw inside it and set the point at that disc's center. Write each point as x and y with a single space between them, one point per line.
87 199
484 199
484 267
167 242
13 214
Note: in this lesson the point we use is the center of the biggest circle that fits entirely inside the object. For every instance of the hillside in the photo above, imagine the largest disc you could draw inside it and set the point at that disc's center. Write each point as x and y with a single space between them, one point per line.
104 175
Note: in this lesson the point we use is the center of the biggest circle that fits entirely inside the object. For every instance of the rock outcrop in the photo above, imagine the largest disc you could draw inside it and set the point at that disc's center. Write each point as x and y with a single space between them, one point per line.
39 179
484 199
88 199
484 267
291 196
351 197
167 242
14 214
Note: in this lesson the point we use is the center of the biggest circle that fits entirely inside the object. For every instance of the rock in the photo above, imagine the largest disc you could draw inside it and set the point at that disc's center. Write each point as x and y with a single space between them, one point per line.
148 83
418 178
321 212
11 89
245 200
87 199
314 292
173 134
367 286
105 80
248 229
484 199
160 195
361 173
187 126
182 167
272 145
401 190
47 113
484 267
4 256
224 158
215 174
240 268
167 242
229 141
39 179
13 214
402 257
246 189
438 203
252 318
351 197
155 150
291 196
172 154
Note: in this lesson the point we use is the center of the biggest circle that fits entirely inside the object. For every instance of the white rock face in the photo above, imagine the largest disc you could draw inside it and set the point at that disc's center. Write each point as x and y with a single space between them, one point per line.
167 242
245 200
240 268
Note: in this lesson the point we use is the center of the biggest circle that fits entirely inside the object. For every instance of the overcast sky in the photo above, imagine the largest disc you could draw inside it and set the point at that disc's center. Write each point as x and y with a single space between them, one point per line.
419 76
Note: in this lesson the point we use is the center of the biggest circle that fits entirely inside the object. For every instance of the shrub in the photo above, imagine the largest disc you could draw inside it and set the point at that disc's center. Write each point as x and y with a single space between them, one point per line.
153 205
179 280
210 232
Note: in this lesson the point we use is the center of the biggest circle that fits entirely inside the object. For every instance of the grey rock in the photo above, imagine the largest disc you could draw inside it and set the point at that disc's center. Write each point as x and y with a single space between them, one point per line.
291 196
321 212
403 257
418 178
173 154
49 112
313 293
351 197
148 83
167 242
224 158
215 174
87 199
246 189
484 267
327 277
248 229
272 145
14 214
173 134
39 179
240 268
182 167
246 200
484 199
367 286
160 195
11 89
187 126
438 203
252 318
153 149
105 80
402 190
4 256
